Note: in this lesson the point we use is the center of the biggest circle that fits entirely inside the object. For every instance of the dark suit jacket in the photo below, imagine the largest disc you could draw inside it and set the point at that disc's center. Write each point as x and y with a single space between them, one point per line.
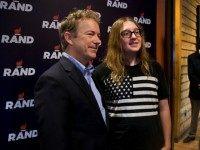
194 75
69 116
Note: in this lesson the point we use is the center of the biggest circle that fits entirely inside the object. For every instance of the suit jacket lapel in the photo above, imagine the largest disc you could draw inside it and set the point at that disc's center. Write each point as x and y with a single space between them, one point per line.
75 75
79 79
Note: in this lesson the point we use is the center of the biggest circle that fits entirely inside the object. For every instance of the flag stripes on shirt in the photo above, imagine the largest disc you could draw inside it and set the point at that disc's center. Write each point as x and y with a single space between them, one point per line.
133 107
141 114
134 97
145 78
133 100
142 85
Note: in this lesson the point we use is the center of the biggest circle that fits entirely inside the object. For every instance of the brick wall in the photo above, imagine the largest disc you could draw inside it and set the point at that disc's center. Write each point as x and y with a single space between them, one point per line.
185 44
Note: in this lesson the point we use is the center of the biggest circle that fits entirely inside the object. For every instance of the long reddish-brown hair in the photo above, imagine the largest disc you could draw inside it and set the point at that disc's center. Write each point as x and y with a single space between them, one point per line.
115 58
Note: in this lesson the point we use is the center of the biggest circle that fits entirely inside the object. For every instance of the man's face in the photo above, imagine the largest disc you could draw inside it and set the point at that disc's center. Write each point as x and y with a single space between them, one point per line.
86 41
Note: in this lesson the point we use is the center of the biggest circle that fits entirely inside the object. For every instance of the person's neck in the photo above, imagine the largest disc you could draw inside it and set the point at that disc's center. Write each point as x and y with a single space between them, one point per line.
83 61
132 60
80 59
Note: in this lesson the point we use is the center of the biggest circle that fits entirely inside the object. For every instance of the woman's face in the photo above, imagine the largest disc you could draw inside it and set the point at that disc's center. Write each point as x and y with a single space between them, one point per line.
131 39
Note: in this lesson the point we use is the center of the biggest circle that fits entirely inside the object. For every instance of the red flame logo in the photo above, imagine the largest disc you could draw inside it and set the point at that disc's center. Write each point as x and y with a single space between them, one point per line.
19 63
88 7
142 14
56 17
57 48
21 96
17 31
23 126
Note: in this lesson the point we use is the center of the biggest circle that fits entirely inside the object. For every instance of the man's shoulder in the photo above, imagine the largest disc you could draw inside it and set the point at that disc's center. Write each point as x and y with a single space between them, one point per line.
59 67
193 55
54 71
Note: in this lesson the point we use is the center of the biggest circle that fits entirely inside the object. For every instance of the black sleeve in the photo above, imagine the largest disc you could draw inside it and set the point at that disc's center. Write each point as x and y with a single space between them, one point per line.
194 79
52 108
163 91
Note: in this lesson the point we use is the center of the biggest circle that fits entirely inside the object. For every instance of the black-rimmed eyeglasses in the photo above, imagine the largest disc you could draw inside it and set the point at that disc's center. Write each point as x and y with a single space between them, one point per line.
128 33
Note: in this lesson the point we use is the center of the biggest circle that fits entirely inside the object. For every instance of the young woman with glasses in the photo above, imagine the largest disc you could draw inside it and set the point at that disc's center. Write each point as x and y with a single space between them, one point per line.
135 91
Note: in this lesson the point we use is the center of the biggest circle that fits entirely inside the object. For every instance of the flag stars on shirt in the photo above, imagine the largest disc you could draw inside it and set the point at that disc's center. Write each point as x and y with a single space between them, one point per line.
119 91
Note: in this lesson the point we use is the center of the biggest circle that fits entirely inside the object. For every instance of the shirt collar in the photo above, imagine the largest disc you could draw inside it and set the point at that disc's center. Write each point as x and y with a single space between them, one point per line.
79 65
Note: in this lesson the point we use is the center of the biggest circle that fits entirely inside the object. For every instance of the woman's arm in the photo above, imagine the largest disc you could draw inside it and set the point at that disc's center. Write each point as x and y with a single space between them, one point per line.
166 123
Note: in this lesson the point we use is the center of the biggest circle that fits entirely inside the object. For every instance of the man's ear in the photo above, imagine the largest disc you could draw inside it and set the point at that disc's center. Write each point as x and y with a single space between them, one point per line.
68 37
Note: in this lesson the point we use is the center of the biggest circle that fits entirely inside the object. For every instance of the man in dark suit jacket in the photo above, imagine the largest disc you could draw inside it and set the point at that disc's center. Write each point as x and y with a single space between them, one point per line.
70 110
194 93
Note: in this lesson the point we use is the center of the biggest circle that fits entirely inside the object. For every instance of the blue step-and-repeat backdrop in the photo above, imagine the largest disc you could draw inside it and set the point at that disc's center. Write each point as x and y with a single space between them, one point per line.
29 44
